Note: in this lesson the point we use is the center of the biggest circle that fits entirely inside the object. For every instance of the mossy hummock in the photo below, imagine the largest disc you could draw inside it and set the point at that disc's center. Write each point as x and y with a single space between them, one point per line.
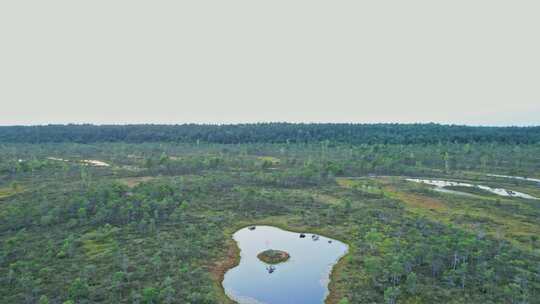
272 256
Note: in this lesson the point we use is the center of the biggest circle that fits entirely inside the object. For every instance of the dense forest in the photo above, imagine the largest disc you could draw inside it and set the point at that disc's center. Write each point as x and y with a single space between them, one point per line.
271 133
145 214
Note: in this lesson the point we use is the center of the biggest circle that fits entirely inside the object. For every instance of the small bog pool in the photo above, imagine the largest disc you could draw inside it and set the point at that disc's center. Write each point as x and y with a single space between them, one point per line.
301 279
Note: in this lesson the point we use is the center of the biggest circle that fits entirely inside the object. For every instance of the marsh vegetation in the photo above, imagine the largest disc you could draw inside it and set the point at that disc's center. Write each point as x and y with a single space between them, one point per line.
273 256
156 224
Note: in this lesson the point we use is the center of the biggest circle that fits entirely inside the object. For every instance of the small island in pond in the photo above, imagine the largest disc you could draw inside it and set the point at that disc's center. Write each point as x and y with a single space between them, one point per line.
272 256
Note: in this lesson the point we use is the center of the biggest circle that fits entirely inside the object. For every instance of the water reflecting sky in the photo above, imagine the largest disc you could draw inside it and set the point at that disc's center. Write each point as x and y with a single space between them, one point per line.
303 279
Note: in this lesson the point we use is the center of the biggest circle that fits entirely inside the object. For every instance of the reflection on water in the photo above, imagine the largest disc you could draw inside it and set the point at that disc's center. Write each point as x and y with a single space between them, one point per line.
499 191
536 180
303 279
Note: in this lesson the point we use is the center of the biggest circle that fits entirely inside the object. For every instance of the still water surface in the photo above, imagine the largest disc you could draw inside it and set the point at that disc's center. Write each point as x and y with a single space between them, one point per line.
303 279
440 184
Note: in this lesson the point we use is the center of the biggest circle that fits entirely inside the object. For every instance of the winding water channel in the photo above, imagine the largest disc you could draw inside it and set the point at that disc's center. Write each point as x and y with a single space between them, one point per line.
441 184
303 279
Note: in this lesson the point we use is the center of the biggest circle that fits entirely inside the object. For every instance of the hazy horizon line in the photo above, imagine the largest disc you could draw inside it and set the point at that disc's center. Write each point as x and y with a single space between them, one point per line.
267 122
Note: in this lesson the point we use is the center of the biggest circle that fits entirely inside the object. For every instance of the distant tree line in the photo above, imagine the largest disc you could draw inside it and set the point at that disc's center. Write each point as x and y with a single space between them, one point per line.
272 133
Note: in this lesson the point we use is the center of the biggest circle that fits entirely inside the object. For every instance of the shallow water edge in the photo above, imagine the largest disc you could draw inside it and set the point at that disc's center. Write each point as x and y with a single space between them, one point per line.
231 258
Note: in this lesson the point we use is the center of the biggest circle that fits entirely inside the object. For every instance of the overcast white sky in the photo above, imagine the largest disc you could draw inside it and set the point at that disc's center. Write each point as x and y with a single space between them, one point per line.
105 61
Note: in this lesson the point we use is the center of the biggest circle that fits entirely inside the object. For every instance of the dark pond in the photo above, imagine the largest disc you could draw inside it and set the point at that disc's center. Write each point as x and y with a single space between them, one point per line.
303 279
